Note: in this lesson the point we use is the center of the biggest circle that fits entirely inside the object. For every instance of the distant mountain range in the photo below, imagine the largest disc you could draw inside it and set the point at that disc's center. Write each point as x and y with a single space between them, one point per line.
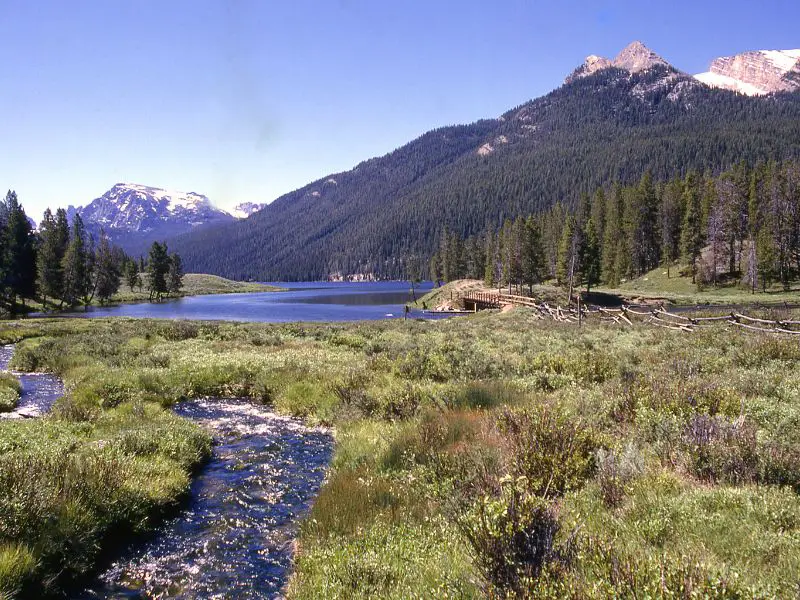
751 73
612 120
134 215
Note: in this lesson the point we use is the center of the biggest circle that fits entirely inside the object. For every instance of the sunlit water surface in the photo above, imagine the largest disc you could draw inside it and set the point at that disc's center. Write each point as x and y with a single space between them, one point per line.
234 540
39 390
309 301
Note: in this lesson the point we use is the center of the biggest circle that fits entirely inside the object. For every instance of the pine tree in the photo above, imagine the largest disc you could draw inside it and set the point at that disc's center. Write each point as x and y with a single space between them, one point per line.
433 270
107 271
532 254
132 274
692 230
488 271
612 237
157 270
670 221
566 253
77 276
20 252
599 216
590 260
175 276
643 225
766 255
49 274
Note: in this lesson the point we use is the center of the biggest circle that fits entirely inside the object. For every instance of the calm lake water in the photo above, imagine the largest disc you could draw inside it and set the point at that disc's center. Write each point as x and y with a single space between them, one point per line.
308 301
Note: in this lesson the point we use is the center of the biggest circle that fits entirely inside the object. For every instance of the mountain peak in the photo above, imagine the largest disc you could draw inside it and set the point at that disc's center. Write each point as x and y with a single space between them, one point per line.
634 57
637 57
148 213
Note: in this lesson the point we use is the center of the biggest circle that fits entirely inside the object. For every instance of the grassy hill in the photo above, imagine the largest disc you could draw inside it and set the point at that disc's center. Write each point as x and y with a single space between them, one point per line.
198 284
678 288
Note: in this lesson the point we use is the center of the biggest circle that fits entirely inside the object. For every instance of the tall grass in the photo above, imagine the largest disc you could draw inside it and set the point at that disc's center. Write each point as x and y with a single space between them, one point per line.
489 455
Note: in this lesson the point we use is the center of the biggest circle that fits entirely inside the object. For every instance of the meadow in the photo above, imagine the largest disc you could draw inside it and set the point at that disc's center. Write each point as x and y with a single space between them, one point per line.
494 455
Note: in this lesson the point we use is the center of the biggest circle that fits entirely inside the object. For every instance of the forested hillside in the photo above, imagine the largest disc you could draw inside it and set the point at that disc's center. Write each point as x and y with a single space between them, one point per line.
739 228
387 215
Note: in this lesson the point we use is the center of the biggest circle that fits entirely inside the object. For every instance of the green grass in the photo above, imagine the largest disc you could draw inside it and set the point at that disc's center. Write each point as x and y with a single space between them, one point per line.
194 284
678 288
198 284
647 462
10 390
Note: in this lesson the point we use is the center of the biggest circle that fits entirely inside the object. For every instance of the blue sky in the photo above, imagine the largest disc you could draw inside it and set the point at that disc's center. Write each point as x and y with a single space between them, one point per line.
244 100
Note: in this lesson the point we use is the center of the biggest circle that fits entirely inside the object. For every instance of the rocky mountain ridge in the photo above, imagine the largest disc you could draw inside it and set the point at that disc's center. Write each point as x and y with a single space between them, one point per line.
634 58
755 73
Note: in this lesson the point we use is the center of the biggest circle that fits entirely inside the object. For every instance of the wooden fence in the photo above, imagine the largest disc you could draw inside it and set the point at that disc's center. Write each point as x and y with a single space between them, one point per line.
628 315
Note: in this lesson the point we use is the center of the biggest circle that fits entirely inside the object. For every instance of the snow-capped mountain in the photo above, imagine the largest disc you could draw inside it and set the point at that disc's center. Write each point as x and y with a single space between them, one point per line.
755 73
245 209
131 207
134 215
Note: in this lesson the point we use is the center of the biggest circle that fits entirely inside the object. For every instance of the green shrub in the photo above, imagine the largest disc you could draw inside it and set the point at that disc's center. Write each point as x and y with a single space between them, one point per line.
719 449
779 464
616 471
553 453
17 568
512 537
308 399
349 501
10 390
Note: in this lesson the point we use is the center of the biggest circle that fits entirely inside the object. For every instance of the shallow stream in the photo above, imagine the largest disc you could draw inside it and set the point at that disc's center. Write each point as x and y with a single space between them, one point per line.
234 538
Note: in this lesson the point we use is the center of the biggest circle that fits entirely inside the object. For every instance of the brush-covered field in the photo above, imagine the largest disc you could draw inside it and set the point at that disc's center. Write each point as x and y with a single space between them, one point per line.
492 455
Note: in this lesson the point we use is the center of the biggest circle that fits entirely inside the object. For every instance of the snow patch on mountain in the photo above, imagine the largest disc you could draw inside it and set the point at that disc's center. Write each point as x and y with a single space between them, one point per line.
755 73
718 80
129 208
245 209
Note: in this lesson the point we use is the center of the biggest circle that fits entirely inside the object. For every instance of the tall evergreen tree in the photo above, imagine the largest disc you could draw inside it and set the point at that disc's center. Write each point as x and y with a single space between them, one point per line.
612 237
533 266
692 231
77 274
107 270
488 272
670 221
132 274
567 257
643 225
49 272
157 269
175 275
20 252
590 260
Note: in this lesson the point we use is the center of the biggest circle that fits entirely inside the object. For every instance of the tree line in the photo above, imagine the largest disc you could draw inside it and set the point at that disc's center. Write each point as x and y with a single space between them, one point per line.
742 226
63 266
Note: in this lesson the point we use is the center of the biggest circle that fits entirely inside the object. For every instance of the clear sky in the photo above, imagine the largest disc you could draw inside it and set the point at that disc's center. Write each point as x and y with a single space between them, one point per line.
244 100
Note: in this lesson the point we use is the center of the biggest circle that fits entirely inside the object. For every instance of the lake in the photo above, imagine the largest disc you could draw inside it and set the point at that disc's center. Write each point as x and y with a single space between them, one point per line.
306 301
